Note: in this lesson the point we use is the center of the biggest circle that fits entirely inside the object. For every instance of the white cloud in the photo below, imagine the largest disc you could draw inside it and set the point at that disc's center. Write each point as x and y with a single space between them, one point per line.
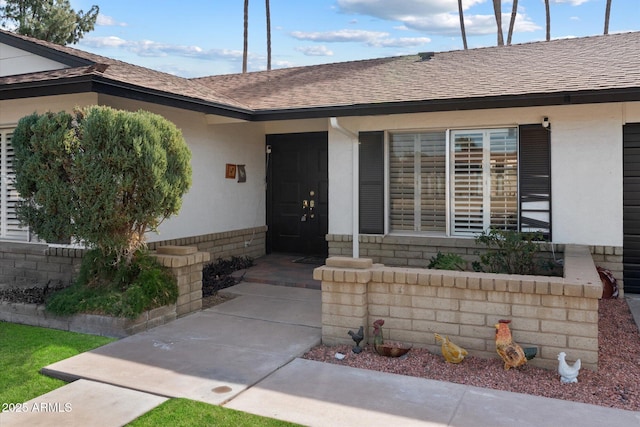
370 38
108 21
402 9
339 36
314 50
149 48
401 42
571 2
438 17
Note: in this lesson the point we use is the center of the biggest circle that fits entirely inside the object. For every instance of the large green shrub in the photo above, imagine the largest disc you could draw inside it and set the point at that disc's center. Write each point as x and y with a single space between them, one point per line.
123 289
99 175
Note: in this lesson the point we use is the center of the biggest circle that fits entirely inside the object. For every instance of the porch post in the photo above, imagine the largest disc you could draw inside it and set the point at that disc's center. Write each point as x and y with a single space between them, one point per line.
355 210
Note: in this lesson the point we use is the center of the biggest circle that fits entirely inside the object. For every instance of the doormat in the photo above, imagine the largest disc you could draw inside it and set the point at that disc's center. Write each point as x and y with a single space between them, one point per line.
314 260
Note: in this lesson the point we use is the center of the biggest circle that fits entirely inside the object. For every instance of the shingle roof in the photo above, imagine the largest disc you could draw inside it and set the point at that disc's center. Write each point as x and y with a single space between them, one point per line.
567 65
122 72
594 65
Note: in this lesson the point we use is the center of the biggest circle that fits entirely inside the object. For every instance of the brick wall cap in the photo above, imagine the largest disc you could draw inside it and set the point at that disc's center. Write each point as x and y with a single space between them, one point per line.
346 262
176 250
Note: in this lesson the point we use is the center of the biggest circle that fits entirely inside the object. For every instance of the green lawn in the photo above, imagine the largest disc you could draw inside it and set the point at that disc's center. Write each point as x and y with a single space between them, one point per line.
24 350
189 413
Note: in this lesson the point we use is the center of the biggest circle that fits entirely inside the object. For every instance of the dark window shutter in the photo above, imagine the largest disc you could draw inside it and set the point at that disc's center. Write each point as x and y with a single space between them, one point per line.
372 182
535 179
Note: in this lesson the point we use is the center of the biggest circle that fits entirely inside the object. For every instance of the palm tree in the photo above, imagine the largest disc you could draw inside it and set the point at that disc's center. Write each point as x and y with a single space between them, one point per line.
514 12
462 30
497 10
607 13
269 34
245 51
546 8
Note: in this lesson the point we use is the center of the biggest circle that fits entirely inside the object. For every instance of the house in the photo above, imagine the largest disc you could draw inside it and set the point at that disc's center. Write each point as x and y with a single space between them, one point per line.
411 154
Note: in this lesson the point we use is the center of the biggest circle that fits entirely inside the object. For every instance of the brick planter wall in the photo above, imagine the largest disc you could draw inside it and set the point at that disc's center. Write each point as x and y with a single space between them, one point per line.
416 251
186 265
552 313
116 327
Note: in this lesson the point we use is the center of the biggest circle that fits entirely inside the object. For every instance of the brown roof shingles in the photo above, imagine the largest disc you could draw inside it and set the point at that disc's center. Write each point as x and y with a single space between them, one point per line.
559 66
592 63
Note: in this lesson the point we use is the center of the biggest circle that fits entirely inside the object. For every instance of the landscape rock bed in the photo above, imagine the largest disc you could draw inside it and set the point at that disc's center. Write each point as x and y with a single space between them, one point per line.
217 276
616 384
30 295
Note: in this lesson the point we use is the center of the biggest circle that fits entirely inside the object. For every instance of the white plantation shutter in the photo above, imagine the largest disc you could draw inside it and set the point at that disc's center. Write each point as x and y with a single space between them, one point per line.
417 181
504 179
10 228
484 180
468 207
402 182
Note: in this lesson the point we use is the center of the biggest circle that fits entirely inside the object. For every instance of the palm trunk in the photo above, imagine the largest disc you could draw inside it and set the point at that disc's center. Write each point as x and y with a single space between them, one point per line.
514 12
268 35
245 51
462 30
607 13
546 8
497 10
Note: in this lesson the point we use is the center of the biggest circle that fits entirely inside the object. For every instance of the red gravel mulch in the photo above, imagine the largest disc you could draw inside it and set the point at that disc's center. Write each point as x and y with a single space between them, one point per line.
616 384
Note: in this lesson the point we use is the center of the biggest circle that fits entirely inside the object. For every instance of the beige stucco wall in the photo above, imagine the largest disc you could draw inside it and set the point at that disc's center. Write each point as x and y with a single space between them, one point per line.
213 204
586 166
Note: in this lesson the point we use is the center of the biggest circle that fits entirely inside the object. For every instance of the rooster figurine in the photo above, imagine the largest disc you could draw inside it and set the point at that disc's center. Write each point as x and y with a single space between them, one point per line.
451 352
568 373
357 337
510 352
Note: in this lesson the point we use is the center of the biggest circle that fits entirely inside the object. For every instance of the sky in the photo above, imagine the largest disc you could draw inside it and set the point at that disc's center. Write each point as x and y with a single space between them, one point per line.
193 38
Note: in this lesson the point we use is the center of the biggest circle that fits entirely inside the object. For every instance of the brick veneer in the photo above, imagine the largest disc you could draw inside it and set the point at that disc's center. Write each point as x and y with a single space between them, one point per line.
552 313
416 251
186 265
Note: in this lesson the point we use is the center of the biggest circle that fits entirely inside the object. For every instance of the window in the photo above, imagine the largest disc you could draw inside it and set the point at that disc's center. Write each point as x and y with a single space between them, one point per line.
417 181
10 228
484 180
460 185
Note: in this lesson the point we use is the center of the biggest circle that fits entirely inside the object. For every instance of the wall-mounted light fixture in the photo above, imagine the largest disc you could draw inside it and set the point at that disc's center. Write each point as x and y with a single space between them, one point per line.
545 123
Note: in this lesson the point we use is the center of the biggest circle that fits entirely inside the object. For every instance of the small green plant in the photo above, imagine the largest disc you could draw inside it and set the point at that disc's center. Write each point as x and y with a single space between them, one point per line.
125 290
509 252
447 261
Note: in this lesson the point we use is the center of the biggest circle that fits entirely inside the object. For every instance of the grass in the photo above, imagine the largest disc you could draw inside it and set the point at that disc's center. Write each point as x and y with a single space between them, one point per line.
24 350
190 413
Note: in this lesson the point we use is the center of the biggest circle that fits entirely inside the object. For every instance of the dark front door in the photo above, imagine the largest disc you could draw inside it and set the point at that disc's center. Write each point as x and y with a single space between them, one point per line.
631 208
297 193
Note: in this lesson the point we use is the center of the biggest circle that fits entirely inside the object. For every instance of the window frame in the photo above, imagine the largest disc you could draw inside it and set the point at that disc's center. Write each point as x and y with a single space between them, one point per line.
448 132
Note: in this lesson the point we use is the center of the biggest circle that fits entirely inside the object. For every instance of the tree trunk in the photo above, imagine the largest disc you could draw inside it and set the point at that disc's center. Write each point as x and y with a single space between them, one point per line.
497 10
607 13
514 12
268 35
546 8
245 51
462 30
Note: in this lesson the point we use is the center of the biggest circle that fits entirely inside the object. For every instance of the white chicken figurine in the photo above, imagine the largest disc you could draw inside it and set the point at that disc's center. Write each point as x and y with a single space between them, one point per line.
568 373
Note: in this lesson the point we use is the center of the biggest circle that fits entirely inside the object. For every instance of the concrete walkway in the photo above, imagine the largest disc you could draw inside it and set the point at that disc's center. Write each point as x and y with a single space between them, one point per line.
243 354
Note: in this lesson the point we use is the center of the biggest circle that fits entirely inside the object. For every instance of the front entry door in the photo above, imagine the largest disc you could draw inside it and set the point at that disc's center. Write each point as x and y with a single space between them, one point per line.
297 193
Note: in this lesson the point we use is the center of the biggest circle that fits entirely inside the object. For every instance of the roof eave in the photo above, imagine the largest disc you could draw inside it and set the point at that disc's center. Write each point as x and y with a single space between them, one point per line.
477 103
102 85
44 51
